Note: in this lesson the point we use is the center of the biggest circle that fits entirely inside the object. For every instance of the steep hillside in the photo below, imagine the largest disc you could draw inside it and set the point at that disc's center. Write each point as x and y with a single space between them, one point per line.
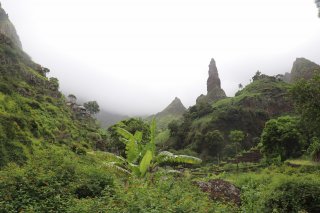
8 29
264 98
108 119
33 111
173 111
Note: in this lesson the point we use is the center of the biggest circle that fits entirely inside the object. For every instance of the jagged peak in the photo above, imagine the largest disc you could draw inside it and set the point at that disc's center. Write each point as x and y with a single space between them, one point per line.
174 108
7 29
303 69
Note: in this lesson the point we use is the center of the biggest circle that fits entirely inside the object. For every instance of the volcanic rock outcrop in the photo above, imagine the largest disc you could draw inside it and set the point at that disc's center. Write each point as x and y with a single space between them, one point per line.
7 28
214 90
303 69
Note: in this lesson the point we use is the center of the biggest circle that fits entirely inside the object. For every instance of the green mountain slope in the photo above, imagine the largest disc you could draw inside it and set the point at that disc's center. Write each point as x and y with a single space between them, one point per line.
173 111
264 98
32 110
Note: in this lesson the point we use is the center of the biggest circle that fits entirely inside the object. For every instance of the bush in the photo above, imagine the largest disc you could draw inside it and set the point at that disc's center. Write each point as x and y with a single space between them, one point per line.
294 196
282 137
52 181
5 89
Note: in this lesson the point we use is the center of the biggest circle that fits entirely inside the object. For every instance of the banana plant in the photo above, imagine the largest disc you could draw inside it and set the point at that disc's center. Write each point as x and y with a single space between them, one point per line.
142 158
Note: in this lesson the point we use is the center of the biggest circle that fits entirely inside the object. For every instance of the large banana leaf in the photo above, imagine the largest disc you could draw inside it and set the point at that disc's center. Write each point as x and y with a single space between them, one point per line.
124 133
145 162
117 167
152 136
132 146
168 157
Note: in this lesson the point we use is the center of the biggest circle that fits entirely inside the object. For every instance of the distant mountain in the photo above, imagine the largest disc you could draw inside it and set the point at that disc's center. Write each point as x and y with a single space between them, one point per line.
173 111
174 108
303 69
107 118
264 98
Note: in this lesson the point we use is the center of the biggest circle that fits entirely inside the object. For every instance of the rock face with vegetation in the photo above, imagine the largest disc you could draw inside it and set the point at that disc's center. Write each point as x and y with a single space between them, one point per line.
174 108
303 69
32 110
173 111
214 90
204 124
53 156
7 28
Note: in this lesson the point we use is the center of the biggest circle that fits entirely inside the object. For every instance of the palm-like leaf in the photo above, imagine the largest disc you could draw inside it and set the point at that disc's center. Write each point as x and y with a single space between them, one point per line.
168 157
153 136
132 146
117 167
145 162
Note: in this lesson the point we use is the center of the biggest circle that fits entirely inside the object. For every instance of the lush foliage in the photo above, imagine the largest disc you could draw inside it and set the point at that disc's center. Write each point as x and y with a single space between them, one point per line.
143 157
92 107
282 137
53 180
131 125
266 97
306 95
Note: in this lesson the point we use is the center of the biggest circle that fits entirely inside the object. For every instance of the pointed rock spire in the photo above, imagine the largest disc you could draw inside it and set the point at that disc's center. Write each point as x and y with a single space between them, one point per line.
213 80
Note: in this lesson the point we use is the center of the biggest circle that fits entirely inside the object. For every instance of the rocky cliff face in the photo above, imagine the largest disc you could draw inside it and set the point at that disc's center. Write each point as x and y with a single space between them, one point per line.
214 90
7 28
303 69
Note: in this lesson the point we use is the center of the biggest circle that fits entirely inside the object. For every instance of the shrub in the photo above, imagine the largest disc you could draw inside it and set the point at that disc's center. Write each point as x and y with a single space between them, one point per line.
294 196
282 137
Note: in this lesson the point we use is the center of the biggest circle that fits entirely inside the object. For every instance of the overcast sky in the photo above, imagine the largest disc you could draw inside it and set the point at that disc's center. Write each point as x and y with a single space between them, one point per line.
135 56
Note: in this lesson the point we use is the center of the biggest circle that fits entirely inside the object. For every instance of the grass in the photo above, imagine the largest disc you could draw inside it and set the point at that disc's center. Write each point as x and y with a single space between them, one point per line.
303 162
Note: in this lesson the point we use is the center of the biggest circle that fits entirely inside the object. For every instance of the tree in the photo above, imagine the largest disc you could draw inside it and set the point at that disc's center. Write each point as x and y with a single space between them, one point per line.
92 107
213 143
54 84
173 126
240 86
282 137
256 76
72 98
142 158
237 137
306 97
131 125
314 149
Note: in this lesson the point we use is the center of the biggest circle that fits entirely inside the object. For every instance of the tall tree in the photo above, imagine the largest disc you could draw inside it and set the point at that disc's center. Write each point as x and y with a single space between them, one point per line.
282 137
237 137
92 107
72 98
306 96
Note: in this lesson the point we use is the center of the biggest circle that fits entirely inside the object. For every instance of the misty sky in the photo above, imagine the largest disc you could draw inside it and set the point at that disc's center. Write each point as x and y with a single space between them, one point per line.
135 56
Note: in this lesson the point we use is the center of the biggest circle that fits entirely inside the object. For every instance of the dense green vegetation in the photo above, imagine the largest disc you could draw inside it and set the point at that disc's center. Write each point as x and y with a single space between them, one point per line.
266 97
263 146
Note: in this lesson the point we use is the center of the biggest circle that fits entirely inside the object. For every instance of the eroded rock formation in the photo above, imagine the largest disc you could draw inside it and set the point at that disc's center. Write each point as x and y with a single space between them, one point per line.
303 69
8 29
214 90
